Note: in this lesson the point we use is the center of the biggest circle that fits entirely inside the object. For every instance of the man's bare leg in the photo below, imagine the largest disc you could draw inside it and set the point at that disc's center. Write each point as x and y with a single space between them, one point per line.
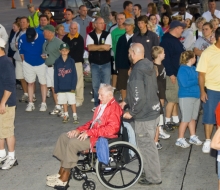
123 94
114 80
208 130
54 96
43 92
24 85
30 91
11 143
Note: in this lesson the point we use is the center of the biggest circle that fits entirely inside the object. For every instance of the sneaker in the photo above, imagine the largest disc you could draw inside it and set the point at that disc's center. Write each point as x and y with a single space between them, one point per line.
168 127
24 98
65 118
92 100
75 120
159 146
43 107
163 134
182 143
143 181
55 111
2 159
175 125
34 99
52 177
78 104
56 182
48 93
9 163
206 146
93 109
195 140
61 114
30 107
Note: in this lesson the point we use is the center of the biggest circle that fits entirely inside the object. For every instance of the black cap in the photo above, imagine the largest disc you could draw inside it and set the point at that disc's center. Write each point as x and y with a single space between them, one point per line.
30 34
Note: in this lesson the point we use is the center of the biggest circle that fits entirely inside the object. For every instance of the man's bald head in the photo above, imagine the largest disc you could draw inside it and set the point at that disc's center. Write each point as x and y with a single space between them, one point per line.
136 52
99 24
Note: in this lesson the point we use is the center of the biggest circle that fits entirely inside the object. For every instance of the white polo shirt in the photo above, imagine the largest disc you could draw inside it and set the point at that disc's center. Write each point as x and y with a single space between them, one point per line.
208 16
187 15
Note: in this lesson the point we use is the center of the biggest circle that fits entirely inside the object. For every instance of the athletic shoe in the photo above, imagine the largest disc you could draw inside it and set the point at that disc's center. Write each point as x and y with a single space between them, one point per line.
30 107
56 182
52 177
175 125
2 159
43 107
55 111
61 113
48 93
163 134
92 100
168 127
182 143
65 118
159 146
24 98
78 104
34 99
9 163
93 109
195 140
75 120
143 181
206 146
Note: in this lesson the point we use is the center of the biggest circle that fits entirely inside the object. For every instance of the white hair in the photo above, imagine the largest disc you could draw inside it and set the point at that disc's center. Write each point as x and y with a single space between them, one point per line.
107 88
74 23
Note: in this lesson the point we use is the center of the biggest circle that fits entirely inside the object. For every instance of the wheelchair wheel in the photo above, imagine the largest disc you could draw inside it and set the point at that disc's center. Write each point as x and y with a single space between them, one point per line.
77 175
124 168
89 185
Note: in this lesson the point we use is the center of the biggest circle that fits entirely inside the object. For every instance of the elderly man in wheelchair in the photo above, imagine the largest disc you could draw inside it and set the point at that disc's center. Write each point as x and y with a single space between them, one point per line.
106 123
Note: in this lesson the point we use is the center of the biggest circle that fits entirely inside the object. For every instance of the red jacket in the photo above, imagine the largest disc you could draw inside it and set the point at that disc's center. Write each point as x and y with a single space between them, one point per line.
108 126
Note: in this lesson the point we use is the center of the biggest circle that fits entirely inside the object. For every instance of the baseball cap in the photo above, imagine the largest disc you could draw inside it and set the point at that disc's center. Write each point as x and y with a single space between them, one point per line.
30 5
64 46
177 23
49 27
2 43
30 34
129 21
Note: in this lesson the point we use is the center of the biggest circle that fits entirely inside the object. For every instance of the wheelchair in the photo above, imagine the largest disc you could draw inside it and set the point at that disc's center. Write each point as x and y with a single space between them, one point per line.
123 171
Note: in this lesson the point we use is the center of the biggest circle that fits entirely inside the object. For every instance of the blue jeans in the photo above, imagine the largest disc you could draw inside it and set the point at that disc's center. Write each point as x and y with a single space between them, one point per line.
100 74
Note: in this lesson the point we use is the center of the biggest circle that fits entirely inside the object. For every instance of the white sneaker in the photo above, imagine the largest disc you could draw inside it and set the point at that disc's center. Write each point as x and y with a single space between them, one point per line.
9 163
78 104
30 107
43 107
206 146
2 159
56 182
92 100
195 140
48 93
52 177
163 134
182 143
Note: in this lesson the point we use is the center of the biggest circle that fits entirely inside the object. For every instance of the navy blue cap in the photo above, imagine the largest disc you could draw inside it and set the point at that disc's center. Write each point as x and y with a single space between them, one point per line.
177 23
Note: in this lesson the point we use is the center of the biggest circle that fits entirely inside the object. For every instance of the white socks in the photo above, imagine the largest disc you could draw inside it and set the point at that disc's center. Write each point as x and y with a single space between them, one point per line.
74 114
167 120
175 119
58 107
11 154
26 94
2 153
66 114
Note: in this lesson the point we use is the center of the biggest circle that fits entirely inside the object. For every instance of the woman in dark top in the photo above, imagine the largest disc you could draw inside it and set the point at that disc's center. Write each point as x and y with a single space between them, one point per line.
50 16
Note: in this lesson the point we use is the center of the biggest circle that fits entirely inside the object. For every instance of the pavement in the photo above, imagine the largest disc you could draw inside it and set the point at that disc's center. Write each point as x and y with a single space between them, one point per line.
37 132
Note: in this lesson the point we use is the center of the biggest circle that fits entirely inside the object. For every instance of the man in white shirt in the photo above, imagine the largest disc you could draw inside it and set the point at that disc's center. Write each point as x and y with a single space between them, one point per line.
3 34
182 12
212 12
99 43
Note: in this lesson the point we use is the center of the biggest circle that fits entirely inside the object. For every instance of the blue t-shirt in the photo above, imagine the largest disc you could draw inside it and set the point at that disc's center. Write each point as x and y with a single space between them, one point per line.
67 26
39 30
32 50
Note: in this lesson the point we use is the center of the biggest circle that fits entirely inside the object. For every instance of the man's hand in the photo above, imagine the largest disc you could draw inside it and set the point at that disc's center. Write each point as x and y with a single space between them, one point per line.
122 105
127 115
83 136
106 47
2 108
73 133
204 97
173 79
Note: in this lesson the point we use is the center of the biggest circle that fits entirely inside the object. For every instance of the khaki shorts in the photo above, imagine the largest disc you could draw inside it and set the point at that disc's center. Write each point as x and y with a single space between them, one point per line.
66 97
7 123
19 70
171 90
49 76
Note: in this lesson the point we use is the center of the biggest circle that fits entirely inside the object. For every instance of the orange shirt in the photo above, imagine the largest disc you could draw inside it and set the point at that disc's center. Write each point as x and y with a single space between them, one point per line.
128 15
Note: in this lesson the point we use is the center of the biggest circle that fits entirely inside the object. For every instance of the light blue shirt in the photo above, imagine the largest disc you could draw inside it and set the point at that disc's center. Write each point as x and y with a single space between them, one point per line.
66 27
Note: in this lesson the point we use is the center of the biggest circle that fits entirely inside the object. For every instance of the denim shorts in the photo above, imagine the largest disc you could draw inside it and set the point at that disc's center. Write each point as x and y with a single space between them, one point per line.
210 106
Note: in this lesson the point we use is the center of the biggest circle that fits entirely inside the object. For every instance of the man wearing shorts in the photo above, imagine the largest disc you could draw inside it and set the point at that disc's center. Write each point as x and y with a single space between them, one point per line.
30 48
173 49
209 78
7 109
50 54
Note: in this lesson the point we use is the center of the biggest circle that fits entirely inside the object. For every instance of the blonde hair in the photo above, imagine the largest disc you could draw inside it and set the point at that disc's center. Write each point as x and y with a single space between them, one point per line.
200 19
186 56
177 17
58 27
214 20
153 28
156 50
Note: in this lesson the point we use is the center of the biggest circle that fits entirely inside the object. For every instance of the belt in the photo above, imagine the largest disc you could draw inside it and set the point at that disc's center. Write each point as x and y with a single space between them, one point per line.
49 65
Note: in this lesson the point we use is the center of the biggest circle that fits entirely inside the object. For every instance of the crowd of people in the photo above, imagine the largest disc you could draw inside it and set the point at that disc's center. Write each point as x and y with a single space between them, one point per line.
159 62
